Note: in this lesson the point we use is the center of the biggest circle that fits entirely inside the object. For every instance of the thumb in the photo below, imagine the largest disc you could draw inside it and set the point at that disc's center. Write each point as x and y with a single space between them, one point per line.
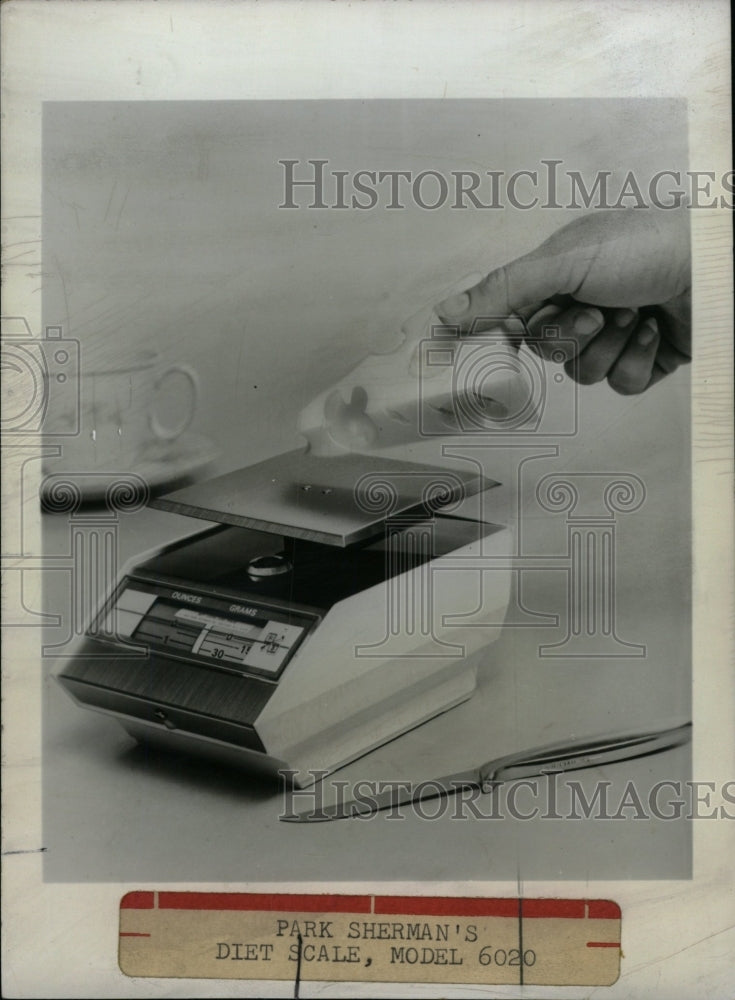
516 289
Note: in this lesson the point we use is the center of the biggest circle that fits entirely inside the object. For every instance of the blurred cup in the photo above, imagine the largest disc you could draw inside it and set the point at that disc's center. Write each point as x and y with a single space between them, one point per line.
122 417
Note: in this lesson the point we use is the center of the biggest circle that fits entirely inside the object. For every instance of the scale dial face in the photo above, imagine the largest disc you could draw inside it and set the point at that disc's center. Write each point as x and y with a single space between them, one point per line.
244 637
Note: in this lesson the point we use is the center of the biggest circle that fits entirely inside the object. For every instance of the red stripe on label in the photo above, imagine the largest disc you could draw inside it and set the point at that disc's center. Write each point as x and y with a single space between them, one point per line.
603 944
603 909
132 934
569 909
263 901
442 906
596 909
137 901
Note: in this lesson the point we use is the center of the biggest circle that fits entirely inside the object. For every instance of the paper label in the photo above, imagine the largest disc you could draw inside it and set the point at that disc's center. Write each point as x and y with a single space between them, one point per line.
334 938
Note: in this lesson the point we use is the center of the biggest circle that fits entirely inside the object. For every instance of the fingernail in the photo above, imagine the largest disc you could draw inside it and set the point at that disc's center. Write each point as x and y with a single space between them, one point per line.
543 315
624 317
588 321
455 305
647 333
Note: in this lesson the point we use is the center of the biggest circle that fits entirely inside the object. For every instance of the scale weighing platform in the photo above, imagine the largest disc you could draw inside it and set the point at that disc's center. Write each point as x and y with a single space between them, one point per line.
319 618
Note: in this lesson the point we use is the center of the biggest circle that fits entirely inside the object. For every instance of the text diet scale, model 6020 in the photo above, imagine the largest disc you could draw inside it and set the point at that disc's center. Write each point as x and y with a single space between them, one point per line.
328 609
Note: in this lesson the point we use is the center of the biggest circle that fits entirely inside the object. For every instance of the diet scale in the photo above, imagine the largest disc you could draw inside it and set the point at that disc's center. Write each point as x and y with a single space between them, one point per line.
337 599
319 615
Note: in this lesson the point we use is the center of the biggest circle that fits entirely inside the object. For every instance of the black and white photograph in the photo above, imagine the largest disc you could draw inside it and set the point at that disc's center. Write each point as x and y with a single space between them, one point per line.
356 528
441 529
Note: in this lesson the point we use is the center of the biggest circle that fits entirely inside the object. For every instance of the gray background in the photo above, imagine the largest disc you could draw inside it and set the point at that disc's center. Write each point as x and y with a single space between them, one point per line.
161 226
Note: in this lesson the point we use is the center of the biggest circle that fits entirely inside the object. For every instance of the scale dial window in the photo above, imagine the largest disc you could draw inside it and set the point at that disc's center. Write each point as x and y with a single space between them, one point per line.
259 641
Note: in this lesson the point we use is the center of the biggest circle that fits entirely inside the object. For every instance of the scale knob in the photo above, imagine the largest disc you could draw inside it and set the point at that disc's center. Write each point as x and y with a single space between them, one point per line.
263 566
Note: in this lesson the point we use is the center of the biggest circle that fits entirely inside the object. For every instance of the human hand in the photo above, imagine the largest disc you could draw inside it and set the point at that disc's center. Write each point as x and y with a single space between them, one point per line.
616 284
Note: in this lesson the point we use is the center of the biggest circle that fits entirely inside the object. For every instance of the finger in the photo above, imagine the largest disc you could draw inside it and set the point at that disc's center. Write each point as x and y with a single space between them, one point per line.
656 375
525 282
632 371
562 334
668 358
597 359
540 324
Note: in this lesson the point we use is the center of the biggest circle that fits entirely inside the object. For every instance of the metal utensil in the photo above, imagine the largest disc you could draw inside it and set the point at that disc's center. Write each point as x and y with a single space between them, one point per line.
568 755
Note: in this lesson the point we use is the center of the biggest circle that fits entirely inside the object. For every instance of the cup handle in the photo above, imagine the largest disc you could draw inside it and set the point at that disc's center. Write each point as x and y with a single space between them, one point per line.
170 434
